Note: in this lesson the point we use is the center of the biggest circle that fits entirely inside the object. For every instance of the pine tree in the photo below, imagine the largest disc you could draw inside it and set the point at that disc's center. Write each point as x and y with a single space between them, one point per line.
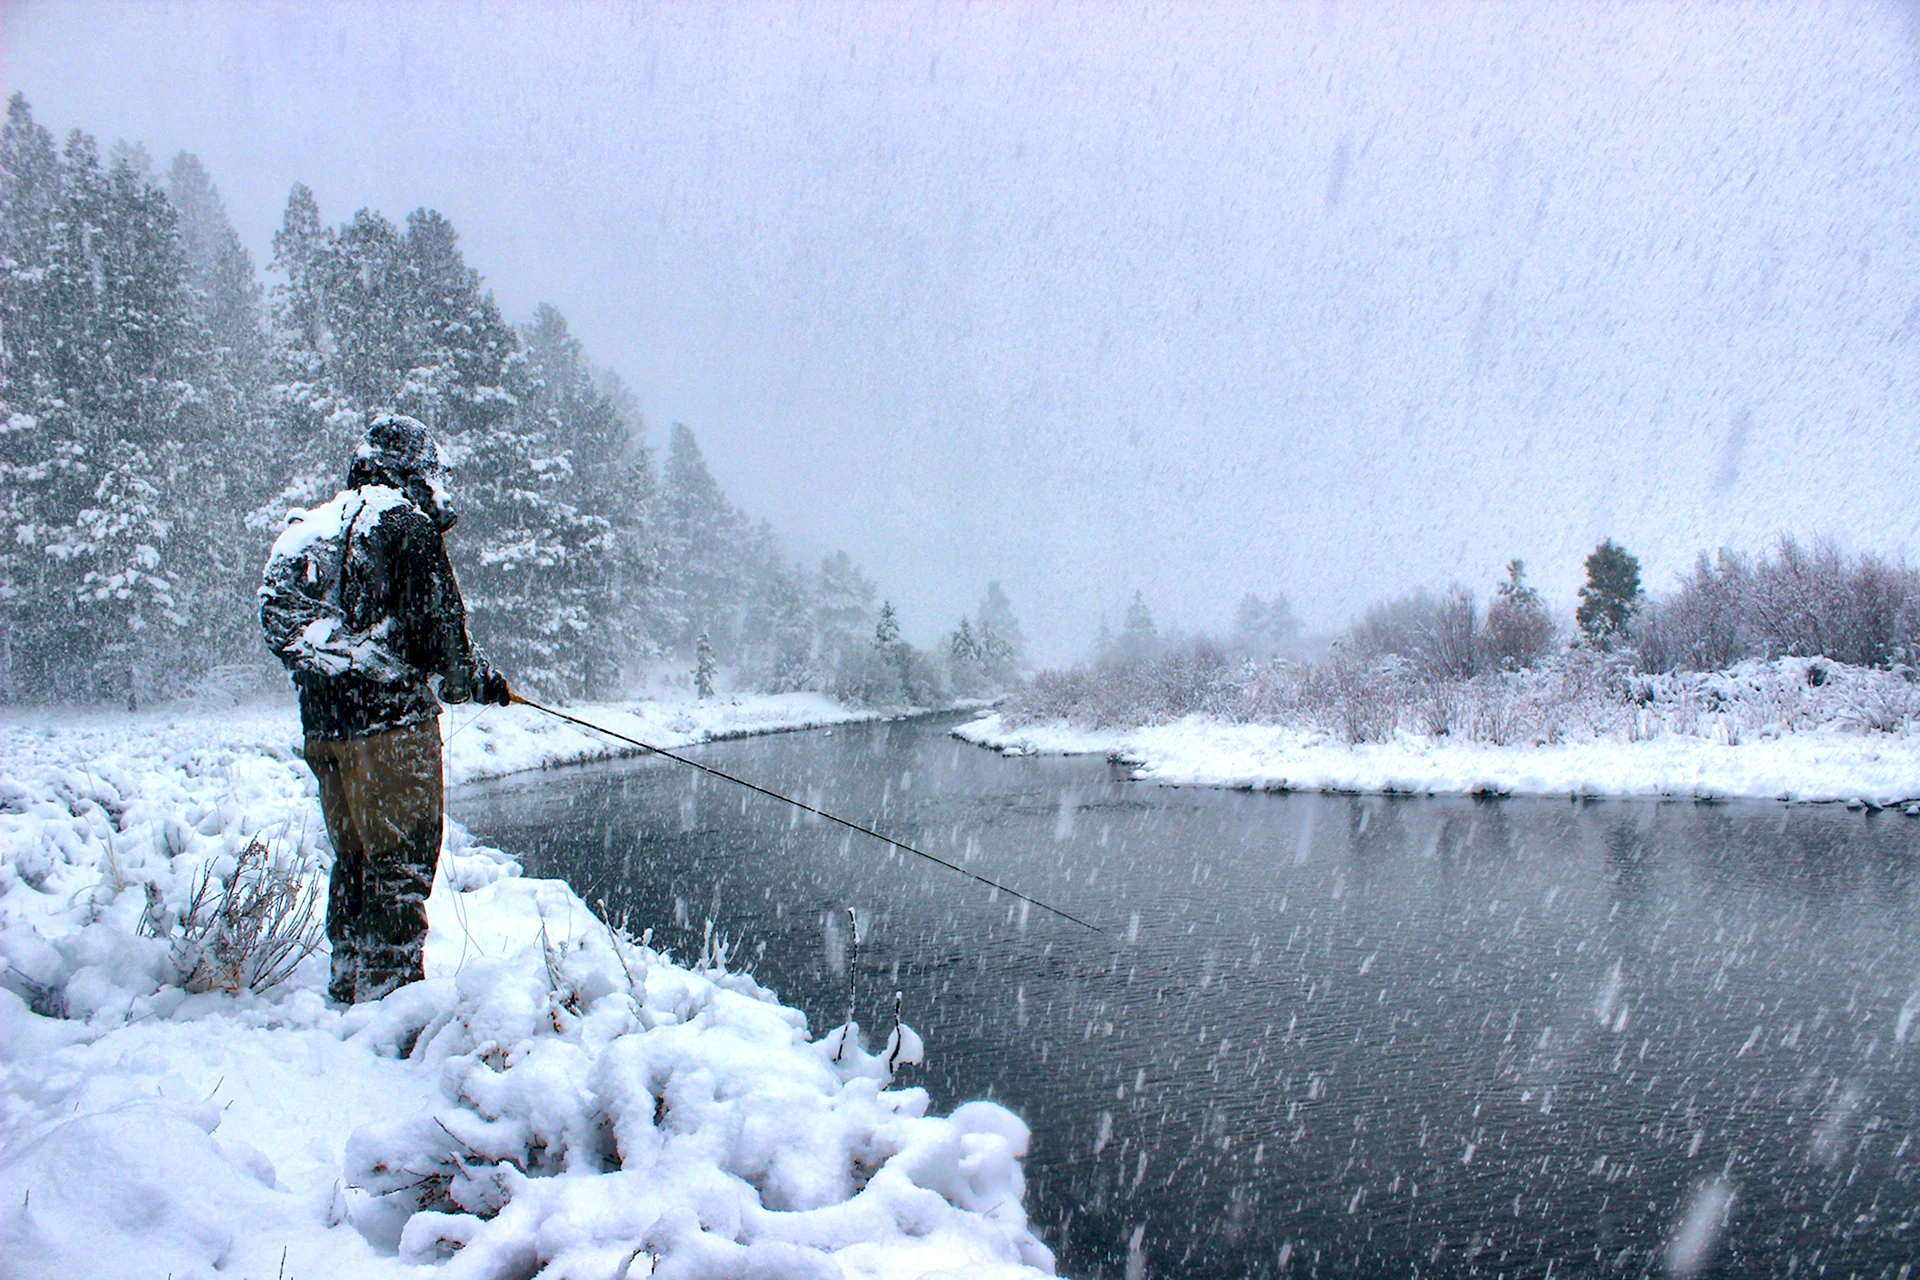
776 616
886 632
908 675
552 551
701 538
962 647
965 661
704 667
40 449
843 605
573 610
227 297
1611 596
239 474
995 617
1263 628
1139 641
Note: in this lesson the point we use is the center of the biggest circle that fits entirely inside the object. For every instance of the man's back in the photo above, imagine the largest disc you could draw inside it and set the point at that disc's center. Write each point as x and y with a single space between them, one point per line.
361 602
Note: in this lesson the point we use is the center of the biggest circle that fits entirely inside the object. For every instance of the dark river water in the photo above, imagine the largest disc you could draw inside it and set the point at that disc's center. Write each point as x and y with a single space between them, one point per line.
1326 1035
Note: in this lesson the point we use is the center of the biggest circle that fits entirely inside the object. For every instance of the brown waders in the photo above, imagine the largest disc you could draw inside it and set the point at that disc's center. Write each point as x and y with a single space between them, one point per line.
383 799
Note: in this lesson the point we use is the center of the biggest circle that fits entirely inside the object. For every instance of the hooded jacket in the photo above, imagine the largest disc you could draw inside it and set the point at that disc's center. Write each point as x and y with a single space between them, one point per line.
360 603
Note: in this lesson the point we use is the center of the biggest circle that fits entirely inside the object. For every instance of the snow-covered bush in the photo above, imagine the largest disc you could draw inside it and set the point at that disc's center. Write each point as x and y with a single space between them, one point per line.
610 1105
556 1099
1581 694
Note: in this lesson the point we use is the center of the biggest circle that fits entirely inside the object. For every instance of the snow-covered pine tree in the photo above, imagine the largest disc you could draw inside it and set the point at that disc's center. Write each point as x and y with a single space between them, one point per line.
701 537
634 489
371 318
1610 597
40 448
776 617
704 667
962 647
843 606
886 631
965 664
999 658
462 368
228 307
995 617
895 651
227 297
582 618
1263 628
317 417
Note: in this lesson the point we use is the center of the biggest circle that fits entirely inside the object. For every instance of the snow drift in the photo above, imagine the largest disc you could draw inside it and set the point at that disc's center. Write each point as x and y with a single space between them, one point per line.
557 1099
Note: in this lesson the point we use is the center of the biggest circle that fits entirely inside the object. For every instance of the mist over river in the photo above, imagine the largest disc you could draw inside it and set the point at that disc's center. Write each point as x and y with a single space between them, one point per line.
1323 1035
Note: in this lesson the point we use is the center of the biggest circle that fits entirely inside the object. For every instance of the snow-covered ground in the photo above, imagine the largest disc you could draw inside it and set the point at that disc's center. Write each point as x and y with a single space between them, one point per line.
1879 769
555 1099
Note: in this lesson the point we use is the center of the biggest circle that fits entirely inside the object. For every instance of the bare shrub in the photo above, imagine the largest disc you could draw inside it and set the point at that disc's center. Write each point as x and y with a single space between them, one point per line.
1362 699
1519 631
1493 711
247 931
1439 636
1195 678
1445 707
1796 601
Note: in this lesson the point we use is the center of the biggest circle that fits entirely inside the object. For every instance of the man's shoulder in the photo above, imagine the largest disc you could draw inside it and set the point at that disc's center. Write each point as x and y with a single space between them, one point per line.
393 514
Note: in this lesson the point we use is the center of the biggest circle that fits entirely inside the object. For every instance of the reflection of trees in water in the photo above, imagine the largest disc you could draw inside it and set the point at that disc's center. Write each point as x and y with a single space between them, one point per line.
1821 854
1373 836
1627 859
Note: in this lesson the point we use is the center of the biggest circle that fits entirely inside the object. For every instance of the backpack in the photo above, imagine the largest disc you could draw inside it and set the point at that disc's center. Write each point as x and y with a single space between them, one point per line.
300 590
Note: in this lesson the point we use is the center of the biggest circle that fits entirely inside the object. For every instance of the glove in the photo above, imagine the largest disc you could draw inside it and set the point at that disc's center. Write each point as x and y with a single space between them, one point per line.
493 689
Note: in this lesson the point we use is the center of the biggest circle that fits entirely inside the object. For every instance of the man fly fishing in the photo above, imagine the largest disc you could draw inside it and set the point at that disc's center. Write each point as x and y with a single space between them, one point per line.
359 601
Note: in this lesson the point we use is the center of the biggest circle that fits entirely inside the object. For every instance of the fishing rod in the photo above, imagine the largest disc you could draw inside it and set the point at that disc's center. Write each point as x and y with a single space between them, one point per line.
806 808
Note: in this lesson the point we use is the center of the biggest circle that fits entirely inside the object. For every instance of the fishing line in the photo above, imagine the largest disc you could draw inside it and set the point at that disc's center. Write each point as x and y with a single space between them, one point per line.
822 813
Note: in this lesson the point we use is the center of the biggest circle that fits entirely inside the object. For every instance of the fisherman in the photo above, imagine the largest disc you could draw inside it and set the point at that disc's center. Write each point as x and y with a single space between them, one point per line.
359 601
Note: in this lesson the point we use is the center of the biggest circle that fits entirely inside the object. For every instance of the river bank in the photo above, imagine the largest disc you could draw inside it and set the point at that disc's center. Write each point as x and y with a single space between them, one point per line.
1880 770
557 1098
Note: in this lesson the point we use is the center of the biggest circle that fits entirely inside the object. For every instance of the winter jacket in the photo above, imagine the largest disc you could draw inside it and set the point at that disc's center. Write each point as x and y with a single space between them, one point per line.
359 601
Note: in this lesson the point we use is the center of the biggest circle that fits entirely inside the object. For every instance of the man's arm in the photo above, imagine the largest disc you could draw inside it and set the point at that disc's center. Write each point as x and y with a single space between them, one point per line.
433 617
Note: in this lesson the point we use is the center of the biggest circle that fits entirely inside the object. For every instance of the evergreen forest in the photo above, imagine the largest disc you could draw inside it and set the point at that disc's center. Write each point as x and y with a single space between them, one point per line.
164 406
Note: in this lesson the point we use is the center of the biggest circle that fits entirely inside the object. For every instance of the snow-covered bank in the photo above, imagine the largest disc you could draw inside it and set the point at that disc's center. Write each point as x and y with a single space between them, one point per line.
1877 769
489 741
556 1099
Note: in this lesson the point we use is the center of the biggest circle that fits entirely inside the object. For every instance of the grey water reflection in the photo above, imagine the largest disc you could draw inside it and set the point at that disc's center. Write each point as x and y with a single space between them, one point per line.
1328 1035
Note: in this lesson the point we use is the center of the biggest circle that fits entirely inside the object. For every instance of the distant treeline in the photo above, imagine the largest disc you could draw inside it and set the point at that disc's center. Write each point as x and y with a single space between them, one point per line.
1789 601
162 409
1442 664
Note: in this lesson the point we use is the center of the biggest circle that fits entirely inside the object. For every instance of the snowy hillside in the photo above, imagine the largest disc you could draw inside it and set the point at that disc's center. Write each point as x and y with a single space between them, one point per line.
556 1099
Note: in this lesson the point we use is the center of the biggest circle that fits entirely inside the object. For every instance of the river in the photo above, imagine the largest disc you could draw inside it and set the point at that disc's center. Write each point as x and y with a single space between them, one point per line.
1324 1035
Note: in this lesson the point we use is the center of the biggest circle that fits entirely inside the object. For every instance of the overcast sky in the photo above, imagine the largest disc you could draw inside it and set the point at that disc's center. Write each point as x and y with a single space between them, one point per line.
1336 300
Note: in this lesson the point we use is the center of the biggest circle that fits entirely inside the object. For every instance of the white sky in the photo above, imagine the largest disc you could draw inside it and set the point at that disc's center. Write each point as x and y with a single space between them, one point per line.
1335 299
